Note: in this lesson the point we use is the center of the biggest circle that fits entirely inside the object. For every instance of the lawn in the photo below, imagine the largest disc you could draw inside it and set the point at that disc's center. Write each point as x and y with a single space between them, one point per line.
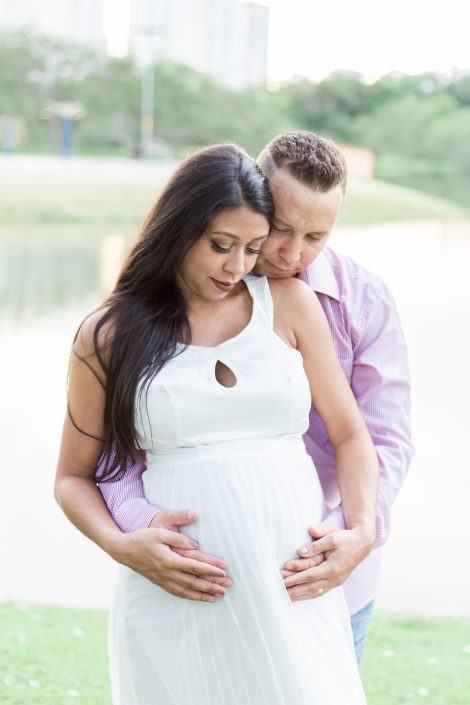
53 656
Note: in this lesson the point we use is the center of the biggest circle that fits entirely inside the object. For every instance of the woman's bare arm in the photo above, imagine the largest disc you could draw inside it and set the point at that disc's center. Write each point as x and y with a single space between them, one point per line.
300 321
80 499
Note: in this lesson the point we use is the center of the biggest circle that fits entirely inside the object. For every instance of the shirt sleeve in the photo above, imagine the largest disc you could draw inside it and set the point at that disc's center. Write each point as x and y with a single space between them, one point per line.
126 500
380 382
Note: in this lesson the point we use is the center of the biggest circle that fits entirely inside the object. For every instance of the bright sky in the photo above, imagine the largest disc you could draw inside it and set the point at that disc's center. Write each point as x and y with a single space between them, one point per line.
314 37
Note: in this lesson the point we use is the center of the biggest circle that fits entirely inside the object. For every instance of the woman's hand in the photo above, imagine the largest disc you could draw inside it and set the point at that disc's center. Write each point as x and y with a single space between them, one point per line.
153 553
170 559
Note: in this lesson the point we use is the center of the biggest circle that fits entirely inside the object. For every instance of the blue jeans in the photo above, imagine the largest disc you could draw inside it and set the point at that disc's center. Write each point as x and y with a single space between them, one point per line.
360 622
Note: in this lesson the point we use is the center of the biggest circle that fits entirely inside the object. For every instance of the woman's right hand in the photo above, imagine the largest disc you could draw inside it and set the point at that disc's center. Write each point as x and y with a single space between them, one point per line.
170 559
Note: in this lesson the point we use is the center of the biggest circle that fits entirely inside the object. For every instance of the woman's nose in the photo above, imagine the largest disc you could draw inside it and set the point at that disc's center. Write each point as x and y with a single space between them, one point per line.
235 263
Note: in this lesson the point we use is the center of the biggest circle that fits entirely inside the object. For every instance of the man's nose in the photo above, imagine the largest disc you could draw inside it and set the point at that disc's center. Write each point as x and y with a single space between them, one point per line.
291 250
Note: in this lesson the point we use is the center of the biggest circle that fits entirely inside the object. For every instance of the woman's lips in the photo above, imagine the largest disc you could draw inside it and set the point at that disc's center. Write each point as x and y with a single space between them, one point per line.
223 286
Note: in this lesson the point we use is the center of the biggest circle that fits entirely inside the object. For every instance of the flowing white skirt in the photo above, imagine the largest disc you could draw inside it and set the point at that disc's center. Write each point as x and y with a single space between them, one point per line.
253 646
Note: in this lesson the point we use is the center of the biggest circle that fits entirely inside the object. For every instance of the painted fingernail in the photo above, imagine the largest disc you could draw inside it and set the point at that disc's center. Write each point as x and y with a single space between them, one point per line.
303 551
193 543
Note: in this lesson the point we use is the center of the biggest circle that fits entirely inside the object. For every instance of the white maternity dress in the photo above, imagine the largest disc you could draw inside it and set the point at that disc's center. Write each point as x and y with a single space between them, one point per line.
236 454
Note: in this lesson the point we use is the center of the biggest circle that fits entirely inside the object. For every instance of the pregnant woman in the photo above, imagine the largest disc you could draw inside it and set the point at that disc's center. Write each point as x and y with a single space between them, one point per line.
213 372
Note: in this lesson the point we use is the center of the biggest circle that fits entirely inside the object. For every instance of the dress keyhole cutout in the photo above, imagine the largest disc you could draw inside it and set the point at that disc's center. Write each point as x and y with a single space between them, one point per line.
224 375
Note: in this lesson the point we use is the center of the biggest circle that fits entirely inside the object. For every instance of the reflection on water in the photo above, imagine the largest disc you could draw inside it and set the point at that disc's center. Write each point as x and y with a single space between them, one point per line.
42 274
38 275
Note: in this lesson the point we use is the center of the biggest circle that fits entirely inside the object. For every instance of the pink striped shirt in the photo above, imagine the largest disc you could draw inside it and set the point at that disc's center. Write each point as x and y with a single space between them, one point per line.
370 345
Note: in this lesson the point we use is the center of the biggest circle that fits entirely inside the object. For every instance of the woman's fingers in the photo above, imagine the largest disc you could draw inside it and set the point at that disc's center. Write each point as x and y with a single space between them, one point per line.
200 556
197 568
190 582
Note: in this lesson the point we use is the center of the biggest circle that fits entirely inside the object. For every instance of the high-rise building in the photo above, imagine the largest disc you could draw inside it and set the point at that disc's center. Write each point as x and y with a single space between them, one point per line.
79 21
224 38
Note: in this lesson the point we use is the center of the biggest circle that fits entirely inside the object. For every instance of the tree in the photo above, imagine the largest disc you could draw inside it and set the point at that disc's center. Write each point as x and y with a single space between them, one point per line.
399 126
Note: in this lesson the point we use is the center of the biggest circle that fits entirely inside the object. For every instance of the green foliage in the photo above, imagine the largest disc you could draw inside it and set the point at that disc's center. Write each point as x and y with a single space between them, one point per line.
112 100
400 125
461 90
411 117
449 136
35 69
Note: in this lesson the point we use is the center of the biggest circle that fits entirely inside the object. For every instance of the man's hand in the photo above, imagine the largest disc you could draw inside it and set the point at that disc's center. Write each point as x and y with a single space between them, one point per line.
153 553
326 562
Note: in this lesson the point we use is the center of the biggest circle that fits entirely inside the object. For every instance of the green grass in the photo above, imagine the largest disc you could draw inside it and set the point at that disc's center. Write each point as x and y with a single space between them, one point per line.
410 660
52 656
369 202
123 204
48 655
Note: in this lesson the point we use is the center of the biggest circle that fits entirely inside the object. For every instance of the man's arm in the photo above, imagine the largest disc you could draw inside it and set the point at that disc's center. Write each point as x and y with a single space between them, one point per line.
381 385
126 500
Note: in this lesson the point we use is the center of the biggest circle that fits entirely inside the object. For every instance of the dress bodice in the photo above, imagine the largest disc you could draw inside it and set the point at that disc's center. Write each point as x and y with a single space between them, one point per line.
185 406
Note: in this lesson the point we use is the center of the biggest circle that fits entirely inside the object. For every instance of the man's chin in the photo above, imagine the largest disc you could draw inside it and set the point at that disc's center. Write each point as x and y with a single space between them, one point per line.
266 269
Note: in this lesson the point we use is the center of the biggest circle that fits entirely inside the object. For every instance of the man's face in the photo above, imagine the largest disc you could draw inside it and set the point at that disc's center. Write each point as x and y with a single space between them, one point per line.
303 222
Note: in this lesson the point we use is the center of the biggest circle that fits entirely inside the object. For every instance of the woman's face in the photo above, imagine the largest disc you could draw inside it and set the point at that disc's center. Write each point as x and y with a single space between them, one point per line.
223 254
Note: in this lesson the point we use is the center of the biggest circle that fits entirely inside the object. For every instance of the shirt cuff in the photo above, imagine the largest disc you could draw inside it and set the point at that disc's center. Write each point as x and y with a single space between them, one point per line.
337 517
135 513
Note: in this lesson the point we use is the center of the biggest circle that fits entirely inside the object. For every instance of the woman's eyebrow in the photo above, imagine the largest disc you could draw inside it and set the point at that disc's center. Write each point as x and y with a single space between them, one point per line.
235 237
224 232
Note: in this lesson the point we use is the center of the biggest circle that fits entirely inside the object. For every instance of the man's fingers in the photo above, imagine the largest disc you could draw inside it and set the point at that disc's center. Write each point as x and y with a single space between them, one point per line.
326 543
304 563
323 528
310 591
177 517
319 572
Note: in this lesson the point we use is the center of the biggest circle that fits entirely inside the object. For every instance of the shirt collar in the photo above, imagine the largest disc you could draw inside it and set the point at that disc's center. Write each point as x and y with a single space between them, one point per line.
320 276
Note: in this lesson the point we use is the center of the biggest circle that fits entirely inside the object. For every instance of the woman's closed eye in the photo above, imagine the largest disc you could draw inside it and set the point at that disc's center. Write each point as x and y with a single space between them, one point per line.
219 248
227 250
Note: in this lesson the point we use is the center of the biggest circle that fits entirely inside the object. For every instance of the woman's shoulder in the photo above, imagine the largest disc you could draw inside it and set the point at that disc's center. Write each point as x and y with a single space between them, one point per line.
94 333
291 292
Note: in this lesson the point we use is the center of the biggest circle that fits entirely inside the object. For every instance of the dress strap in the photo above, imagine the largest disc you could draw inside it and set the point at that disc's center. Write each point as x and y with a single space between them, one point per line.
261 294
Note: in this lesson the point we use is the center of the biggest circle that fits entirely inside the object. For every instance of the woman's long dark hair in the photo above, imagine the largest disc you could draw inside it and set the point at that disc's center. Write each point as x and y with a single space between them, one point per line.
146 310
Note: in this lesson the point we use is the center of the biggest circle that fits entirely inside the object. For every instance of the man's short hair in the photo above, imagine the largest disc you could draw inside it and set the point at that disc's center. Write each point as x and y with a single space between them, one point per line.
313 160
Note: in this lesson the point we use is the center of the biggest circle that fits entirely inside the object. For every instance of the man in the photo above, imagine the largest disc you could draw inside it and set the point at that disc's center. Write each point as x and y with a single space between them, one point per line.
307 175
